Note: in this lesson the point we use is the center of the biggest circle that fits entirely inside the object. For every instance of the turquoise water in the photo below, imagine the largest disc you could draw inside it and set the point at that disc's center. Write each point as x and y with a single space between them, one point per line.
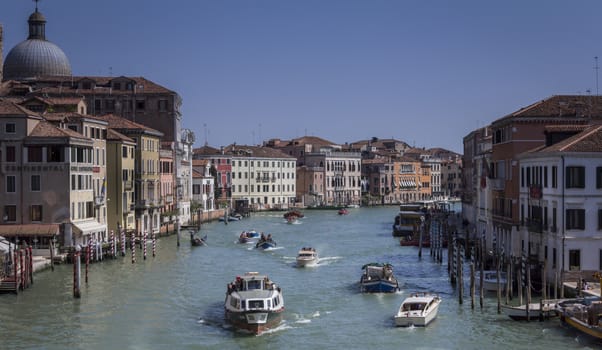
175 300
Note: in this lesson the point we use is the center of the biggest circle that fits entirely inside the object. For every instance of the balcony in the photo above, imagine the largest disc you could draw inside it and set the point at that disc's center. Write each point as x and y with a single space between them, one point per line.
99 200
128 185
168 198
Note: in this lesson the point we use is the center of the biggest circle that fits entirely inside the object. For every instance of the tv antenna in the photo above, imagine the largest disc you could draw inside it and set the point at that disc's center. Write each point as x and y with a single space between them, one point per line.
596 68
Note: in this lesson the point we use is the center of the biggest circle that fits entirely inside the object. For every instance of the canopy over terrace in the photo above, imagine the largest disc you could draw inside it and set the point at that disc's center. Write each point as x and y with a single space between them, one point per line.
35 235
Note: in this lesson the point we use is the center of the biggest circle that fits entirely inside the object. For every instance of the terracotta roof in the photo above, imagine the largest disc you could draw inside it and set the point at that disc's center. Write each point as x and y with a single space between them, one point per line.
255 151
196 174
560 106
114 135
29 230
116 122
199 162
12 108
589 140
45 129
70 116
206 151
103 84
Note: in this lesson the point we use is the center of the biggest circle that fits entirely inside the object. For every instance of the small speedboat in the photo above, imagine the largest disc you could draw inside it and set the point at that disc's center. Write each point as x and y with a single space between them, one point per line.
252 234
343 211
293 213
378 278
536 310
254 303
307 256
419 309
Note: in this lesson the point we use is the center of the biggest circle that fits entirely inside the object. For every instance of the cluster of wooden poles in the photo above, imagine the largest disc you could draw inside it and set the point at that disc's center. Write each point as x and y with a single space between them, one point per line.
93 252
21 276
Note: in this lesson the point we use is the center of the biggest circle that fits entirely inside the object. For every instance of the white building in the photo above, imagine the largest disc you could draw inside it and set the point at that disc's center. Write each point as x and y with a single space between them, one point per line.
263 176
561 205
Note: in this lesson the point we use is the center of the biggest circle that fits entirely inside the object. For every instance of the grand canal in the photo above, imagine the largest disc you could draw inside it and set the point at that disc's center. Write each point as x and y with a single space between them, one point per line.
175 300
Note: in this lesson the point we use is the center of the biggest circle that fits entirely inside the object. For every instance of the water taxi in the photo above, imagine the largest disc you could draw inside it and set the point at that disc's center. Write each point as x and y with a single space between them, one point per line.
419 309
307 256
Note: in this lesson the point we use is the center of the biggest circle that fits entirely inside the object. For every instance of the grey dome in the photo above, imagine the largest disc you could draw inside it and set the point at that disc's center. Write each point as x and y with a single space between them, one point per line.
33 58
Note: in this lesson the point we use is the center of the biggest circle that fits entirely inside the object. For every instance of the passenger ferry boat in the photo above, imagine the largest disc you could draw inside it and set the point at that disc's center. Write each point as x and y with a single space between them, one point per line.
254 303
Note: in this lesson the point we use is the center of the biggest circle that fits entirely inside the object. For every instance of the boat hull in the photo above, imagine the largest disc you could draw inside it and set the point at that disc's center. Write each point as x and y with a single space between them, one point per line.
581 326
307 262
379 286
255 322
417 321
265 245
519 313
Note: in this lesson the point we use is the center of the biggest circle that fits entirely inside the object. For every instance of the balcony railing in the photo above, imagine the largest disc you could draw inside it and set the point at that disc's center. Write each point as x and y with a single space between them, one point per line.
142 204
99 200
168 198
128 185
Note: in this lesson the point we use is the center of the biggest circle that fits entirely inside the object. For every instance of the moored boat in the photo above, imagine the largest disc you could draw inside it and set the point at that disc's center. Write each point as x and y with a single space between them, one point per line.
343 211
419 309
378 278
307 256
254 303
545 309
584 316
490 281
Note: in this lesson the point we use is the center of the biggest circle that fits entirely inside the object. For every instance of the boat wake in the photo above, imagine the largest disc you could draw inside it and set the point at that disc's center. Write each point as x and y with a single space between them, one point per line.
328 260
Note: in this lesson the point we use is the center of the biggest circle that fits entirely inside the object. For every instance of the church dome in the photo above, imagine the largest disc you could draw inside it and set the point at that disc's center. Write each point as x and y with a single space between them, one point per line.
36 56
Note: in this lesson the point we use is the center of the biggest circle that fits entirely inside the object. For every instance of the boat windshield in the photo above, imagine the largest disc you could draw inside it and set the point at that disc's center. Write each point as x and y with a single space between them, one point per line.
414 306
253 284
255 304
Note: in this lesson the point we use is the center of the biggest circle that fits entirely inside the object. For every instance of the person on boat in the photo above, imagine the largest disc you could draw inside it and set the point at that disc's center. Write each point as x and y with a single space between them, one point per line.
269 237
262 239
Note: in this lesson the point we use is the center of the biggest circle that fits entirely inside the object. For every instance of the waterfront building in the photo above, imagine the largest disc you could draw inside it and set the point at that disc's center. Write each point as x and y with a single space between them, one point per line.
560 202
203 185
451 177
519 132
47 180
476 181
395 180
147 195
121 199
221 170
310 185
36 68
168 211
342 175
432 159
262 176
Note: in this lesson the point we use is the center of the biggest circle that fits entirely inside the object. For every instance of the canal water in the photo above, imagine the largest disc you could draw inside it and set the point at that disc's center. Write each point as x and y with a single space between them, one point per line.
175 300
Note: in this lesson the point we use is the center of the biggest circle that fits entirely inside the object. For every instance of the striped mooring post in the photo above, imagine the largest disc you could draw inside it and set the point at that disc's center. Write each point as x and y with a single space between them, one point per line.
112 242
144 244
133 247
122 241
154 244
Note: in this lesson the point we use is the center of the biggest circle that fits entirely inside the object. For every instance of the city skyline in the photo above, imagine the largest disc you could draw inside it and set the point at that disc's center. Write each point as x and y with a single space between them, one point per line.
424 73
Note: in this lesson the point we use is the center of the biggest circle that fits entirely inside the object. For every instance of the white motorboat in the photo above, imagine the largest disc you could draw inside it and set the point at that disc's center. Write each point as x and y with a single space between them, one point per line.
419 309
490 280
254 303
307 256
545 309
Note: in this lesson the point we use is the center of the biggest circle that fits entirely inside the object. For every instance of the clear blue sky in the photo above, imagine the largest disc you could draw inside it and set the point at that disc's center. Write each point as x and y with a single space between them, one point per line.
427 72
